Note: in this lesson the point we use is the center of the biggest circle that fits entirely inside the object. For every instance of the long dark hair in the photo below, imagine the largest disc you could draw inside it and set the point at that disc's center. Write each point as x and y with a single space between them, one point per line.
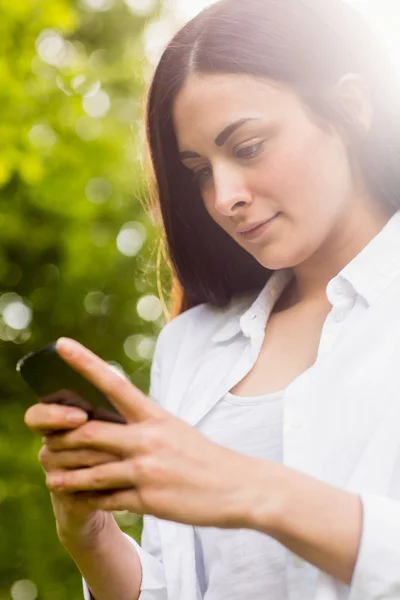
308 44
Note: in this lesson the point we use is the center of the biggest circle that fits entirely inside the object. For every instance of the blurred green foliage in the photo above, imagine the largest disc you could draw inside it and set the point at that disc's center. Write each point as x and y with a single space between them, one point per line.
77 251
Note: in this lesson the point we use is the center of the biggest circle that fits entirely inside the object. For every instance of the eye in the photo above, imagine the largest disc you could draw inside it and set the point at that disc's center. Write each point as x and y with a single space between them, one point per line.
250 151
201 175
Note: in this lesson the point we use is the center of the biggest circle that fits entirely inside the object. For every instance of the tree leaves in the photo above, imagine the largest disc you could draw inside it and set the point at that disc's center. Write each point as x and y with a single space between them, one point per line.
70 180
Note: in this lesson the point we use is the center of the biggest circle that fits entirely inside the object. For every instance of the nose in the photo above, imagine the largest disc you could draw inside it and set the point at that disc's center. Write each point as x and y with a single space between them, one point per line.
230 191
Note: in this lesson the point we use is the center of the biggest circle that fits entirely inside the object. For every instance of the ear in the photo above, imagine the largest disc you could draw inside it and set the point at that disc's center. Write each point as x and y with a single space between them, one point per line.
353 94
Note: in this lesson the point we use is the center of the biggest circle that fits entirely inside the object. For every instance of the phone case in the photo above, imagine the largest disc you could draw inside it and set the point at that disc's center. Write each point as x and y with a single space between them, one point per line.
54 381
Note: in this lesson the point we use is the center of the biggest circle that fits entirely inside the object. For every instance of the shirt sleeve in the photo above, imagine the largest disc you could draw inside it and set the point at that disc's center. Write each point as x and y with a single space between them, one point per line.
153 586
377 572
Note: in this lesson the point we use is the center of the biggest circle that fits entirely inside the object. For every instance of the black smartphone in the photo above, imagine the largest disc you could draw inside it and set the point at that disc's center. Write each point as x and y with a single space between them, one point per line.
55 382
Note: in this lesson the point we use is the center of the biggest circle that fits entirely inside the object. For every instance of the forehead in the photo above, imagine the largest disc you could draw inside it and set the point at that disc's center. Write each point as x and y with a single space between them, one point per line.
209 102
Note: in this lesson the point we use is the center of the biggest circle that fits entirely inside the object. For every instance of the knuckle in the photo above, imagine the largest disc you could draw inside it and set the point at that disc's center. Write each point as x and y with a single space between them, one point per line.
146 468
43 456
153 437
98 458
150 438
53 442
146 442
98 477
88 458
69 459
119 387
141 468
148 497
139 435
107 503
88 432
84 458
162 426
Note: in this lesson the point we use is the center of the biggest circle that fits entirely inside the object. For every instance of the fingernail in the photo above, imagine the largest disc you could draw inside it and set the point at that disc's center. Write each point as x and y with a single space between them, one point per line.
55 480
66 345
76 417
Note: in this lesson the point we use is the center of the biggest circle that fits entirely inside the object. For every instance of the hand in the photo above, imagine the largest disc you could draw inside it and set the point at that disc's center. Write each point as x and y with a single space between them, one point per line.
74 516
166 468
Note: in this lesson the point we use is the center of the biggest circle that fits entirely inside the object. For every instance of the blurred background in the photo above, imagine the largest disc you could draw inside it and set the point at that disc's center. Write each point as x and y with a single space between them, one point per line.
78 253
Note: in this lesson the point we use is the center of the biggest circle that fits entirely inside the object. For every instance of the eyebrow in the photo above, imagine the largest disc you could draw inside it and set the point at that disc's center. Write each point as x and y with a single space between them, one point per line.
228 131
221 138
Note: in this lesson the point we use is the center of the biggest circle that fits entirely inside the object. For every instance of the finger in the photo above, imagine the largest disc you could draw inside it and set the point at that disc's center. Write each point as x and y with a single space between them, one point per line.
72 459
129 401
118 440
95 435
53 417
113 475
116 500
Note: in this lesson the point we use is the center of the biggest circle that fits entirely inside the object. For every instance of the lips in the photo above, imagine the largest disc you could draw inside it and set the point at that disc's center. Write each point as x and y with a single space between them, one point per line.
251 227
254 233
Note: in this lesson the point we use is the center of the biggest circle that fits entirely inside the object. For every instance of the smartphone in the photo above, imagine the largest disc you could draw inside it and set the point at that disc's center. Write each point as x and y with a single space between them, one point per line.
55 382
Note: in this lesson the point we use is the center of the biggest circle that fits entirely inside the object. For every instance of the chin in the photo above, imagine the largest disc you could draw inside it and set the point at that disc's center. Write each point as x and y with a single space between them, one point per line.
276 262
283 258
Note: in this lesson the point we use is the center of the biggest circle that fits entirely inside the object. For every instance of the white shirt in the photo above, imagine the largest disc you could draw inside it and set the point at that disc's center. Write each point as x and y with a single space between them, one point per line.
341 418
234 564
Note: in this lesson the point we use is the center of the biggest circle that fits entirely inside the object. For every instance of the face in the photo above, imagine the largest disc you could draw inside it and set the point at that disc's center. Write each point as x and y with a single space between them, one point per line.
275 181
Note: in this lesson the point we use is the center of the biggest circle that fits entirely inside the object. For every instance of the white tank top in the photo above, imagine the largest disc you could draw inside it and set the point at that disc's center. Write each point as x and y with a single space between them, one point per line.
243 564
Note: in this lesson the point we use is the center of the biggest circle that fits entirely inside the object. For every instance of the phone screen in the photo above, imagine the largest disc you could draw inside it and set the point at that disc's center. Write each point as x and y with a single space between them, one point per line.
55 382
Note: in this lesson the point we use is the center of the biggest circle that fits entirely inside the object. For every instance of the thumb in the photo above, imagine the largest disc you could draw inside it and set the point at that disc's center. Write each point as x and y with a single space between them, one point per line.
128 400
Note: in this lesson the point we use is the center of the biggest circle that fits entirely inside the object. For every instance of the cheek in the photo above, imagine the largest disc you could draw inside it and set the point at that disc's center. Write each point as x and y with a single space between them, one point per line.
312 186
310 176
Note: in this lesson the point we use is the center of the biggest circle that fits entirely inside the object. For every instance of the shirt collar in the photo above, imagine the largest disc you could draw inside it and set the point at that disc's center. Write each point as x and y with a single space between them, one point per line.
241 320
377 265
368 274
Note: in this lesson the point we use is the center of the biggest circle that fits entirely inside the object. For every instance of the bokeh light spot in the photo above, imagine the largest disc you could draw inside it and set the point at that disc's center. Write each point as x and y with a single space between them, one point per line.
96 303
42 136
98 190
141 7
17 315
149 308
98 5
24 590
93 89
97 105
50 46
78 81
131 238
138 347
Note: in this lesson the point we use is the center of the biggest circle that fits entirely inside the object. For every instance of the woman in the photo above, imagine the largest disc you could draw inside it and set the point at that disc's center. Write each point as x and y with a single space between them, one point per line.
269 465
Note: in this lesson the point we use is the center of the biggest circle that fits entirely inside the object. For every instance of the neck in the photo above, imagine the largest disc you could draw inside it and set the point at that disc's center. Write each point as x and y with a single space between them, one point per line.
349 237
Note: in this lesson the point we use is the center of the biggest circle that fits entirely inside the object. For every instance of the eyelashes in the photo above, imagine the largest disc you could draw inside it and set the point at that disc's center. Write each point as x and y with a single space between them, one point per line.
202 175
250 151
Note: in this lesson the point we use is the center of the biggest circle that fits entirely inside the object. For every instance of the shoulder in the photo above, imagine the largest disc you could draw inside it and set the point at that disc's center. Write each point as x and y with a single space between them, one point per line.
186 342
194 330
